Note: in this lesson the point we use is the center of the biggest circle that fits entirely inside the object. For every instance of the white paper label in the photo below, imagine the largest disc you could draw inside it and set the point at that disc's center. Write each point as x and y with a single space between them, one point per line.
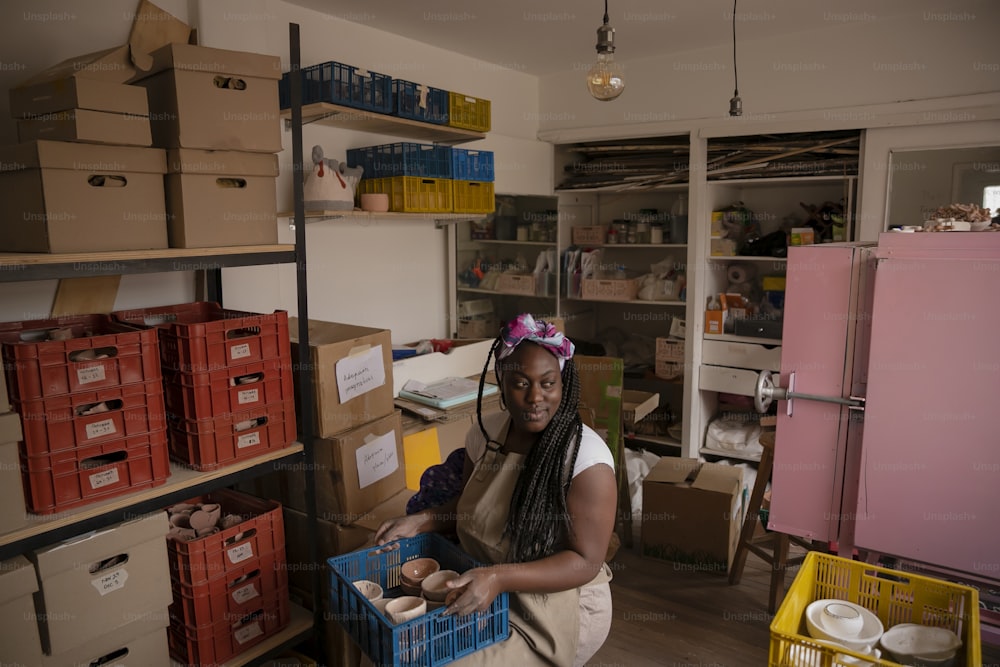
377 459
240 553
111 581
359 374
248 632
244 593
239 351
248 440
100 429
90 374
106 478
247 396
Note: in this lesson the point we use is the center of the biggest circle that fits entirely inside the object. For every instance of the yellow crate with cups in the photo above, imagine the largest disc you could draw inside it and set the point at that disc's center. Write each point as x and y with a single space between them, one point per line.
411 194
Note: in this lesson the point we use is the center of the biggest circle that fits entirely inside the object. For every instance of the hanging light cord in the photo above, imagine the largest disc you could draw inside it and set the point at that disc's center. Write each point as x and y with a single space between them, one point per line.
736 78
606 12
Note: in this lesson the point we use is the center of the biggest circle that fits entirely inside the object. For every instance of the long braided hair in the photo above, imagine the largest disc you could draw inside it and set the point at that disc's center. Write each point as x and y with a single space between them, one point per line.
539 518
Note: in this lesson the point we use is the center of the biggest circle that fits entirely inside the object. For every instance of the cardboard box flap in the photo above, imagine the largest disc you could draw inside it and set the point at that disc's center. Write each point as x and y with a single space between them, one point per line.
17 579
97 545
222 163
326 333
151 29
76 93
673 471
83 157
719 478
636 405
189 57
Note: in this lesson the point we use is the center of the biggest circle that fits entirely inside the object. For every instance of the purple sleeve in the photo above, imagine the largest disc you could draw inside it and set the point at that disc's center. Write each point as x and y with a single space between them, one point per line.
439 483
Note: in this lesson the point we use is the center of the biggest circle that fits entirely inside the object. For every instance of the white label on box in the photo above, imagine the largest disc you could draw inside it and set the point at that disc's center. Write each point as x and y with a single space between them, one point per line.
239 351
248 632
613 391
240 553
100 429
377 459
106 478
244 593
90 374
248 440
248 396
111 581
359 374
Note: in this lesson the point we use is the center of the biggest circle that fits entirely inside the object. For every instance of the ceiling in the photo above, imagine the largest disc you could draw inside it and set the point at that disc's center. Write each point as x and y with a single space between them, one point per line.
544 36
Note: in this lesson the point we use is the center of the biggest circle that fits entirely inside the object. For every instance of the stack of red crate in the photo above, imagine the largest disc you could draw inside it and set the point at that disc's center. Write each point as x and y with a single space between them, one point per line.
230 588
89 393
227 380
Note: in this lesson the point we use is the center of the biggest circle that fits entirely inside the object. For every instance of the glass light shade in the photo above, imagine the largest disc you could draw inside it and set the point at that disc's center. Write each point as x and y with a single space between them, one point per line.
605 78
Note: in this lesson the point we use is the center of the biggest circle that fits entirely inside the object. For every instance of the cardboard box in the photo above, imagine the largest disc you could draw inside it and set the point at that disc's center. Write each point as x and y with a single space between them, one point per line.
692 513
101 581
214 99
722 247
351 373
31 101
68 197
18 624
668 370
668 349
588 235
636 405
802 236
611 289
601 392
84 125
220 198
144 642
517 283
14 515
4 395
478 328
465 359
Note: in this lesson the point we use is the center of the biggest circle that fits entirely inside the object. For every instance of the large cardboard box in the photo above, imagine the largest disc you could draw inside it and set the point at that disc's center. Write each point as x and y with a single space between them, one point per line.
214 99
140 643
101 581
14 515
351 373
32 101
98 127
464 359
68 197
692 513
602 382
220 198
18 625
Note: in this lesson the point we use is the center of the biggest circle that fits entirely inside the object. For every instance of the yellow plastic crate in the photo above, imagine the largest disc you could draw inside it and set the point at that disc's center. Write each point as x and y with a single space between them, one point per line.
467 112
894 596
472 197
411 194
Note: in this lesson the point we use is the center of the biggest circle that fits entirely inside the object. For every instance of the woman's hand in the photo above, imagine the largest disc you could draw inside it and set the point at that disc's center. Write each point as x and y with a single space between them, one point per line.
400 527
473 591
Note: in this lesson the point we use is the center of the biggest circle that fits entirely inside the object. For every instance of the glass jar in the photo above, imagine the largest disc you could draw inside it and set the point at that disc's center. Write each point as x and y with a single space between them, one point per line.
656 233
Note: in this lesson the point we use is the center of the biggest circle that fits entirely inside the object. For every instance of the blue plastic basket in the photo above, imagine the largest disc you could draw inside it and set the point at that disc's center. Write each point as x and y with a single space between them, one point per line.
419 102
402 159
347 85
468 165
426 641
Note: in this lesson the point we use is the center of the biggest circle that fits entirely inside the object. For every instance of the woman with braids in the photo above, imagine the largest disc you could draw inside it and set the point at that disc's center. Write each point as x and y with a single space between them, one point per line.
537 505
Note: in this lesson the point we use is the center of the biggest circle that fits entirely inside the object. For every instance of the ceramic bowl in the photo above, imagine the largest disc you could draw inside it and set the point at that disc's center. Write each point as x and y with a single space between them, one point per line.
405 608
413 572
862 642
805 655
434 586
375 202
913 644
369 589
842 619
411 590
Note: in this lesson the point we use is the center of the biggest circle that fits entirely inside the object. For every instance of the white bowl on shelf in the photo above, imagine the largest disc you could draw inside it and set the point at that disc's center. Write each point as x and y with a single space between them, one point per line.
862 642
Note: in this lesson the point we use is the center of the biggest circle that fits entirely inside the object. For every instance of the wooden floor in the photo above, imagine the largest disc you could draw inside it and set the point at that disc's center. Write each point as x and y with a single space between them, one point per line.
665 614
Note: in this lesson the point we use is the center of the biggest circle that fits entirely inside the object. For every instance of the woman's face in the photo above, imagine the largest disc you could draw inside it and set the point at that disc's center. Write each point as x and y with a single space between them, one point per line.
532 387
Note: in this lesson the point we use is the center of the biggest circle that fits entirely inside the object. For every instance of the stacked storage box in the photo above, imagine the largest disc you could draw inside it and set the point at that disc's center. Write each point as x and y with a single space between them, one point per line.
89 394
669 358
216 113
472 184
103 597
227 376
230 585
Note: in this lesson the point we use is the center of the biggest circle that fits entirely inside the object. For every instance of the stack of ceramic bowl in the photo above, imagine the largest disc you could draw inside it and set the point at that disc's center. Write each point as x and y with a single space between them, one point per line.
413 572
435 588
843 624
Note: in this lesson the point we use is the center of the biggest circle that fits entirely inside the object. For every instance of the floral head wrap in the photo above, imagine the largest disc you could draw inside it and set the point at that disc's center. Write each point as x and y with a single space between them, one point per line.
525 327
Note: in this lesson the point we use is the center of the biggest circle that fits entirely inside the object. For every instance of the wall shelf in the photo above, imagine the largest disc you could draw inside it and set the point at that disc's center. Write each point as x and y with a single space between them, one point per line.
634 302
730 454
348 118
733 338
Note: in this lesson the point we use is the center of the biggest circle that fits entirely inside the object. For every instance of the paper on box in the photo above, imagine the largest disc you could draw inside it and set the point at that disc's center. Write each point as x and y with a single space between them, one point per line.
377 458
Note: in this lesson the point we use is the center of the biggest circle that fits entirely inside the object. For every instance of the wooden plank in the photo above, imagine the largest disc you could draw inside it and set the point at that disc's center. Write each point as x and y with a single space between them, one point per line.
97 258
349 118
84 295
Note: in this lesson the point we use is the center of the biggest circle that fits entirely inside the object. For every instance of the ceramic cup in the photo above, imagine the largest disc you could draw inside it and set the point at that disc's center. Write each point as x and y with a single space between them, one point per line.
369 589
842 620
181 520
435 586
405 608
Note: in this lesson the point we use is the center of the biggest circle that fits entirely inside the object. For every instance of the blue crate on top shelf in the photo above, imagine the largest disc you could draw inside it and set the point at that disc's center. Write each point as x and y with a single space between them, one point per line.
417 101
402 159
347 85
469 165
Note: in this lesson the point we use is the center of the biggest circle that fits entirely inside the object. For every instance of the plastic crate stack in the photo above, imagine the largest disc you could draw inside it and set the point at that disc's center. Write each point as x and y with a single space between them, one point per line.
90 397
227 378
427 178
228 575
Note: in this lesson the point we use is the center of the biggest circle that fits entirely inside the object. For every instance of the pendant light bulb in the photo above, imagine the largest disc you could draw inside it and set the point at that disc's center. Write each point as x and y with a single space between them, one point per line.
605 78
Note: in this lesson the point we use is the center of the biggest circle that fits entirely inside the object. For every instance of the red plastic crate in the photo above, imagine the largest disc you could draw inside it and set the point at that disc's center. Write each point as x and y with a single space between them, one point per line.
238 593
206 444
203 336
261 532
208 394
76 477
43 368
56 424
230 635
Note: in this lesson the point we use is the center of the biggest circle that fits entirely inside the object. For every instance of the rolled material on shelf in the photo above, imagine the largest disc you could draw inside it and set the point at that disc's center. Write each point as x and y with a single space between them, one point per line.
740 273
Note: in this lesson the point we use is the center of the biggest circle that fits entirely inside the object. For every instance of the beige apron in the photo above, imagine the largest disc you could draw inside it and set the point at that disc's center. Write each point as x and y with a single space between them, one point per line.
550 638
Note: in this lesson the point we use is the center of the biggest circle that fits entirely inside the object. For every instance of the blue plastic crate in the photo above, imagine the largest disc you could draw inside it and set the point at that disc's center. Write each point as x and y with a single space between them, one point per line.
429 640
402 159
468 165
347 85
417 101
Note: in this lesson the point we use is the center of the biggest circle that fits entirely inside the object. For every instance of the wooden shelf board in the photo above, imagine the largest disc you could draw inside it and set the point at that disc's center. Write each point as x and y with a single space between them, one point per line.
349 118
500 242
317 216
655 439
9 260
181 478
476 290
614 246
635 302
733 338
299 627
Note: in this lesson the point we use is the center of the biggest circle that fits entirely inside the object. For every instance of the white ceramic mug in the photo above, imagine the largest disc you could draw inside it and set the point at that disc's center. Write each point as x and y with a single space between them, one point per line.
405 608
